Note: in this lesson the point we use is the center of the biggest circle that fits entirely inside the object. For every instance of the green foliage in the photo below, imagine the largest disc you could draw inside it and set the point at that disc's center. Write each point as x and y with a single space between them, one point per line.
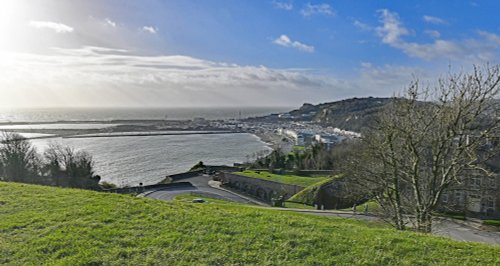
315 157
373 207
107 185
309 195
355 114
59 166
285 179
453 214
296 205
198 166
46 225
19 160
492 222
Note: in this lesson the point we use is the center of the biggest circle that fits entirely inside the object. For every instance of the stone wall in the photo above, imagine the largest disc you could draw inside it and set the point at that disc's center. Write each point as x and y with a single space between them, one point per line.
262 189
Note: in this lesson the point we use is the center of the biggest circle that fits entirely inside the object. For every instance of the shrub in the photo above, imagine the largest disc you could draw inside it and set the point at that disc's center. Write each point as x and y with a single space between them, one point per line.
492 222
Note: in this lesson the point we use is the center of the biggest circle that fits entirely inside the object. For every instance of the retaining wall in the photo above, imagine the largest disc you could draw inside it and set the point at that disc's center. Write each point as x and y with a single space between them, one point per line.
259 188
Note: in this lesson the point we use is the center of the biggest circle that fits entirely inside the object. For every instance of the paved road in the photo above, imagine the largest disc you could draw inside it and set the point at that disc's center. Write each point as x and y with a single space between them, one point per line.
450 228
199 184
461 231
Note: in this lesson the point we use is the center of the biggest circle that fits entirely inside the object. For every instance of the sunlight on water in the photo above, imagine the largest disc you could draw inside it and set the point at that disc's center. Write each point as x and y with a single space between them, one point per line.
132 160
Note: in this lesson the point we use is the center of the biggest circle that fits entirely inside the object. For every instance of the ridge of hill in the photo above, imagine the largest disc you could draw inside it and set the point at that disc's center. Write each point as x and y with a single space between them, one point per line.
352 114
56 226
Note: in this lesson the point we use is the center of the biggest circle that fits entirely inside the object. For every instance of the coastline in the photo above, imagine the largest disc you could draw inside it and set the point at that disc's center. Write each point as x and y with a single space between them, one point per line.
274 141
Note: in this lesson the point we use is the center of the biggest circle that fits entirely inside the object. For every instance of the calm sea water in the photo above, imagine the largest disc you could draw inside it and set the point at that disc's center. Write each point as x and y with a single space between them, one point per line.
100 114
133 160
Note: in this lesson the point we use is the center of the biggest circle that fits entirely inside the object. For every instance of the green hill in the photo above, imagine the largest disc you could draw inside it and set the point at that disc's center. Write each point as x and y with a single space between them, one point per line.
285 179
46 225
351 114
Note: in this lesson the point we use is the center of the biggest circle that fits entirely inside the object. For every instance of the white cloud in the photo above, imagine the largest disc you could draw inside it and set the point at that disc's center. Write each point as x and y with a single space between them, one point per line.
283 5
433 33
360 25
392 29
110 22
478 50
57 27
96 76
319 9
150 29
494 38
285 41
390 78
434 20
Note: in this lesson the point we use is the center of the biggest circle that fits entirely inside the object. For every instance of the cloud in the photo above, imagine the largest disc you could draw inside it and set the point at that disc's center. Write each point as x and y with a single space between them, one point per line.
392 29
389 78
360 25
110 22
319 9
491 37
97 76
150 29
107 77
434 20
285 41
57 27
433 33
283 5
479 50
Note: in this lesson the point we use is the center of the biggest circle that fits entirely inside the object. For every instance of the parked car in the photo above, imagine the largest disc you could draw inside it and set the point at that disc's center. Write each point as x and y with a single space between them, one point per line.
199 201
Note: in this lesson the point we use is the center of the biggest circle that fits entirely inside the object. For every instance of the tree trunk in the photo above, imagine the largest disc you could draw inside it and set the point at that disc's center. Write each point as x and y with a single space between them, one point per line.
423 222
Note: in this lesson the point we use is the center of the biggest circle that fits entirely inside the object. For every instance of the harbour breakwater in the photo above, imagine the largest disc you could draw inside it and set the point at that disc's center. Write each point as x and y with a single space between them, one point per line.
148 134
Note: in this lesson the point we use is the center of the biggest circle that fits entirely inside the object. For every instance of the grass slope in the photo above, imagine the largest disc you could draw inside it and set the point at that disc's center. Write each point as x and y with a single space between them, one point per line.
304 181
309 194
44 225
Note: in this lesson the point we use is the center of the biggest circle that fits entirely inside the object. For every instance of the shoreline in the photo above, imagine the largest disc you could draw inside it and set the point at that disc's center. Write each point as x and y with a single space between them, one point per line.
274 141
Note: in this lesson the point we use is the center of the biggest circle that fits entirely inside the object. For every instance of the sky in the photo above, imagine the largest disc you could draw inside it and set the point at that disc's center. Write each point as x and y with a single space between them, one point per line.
216 53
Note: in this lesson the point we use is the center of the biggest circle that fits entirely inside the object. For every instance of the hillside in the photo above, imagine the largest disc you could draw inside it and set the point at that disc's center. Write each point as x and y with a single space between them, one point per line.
304 181
351 114
354 114
74 227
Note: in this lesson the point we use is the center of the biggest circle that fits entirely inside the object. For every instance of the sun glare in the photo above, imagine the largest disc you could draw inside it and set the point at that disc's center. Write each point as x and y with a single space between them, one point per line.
13 19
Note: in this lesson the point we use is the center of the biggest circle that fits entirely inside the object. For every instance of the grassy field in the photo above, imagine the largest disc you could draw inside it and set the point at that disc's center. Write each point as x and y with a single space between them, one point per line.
44 225
304 181
295 205
209 200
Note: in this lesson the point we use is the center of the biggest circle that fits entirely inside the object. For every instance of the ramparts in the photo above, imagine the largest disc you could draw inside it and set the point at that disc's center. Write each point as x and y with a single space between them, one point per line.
262 189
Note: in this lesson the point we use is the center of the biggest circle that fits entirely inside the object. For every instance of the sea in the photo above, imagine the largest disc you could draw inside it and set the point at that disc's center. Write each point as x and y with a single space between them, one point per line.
107 114
129 161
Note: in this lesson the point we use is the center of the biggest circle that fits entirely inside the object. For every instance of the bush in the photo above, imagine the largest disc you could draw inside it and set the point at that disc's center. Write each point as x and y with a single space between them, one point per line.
492 222
198 166
106 185
19 160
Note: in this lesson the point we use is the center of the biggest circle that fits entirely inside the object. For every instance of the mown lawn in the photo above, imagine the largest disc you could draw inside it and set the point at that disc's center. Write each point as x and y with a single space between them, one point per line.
304 181
44 225
208 199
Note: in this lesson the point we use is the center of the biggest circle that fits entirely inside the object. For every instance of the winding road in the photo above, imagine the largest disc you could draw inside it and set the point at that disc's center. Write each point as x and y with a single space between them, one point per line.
450 228
200 185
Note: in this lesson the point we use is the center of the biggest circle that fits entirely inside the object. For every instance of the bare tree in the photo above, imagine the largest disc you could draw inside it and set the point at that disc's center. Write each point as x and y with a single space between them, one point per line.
19 160
64 159
427 140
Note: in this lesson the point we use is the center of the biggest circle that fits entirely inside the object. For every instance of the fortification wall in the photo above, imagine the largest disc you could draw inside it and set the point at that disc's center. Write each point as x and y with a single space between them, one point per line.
259 188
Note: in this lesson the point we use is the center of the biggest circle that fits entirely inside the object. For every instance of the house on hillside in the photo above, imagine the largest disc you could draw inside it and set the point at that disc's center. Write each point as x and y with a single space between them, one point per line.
478 195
